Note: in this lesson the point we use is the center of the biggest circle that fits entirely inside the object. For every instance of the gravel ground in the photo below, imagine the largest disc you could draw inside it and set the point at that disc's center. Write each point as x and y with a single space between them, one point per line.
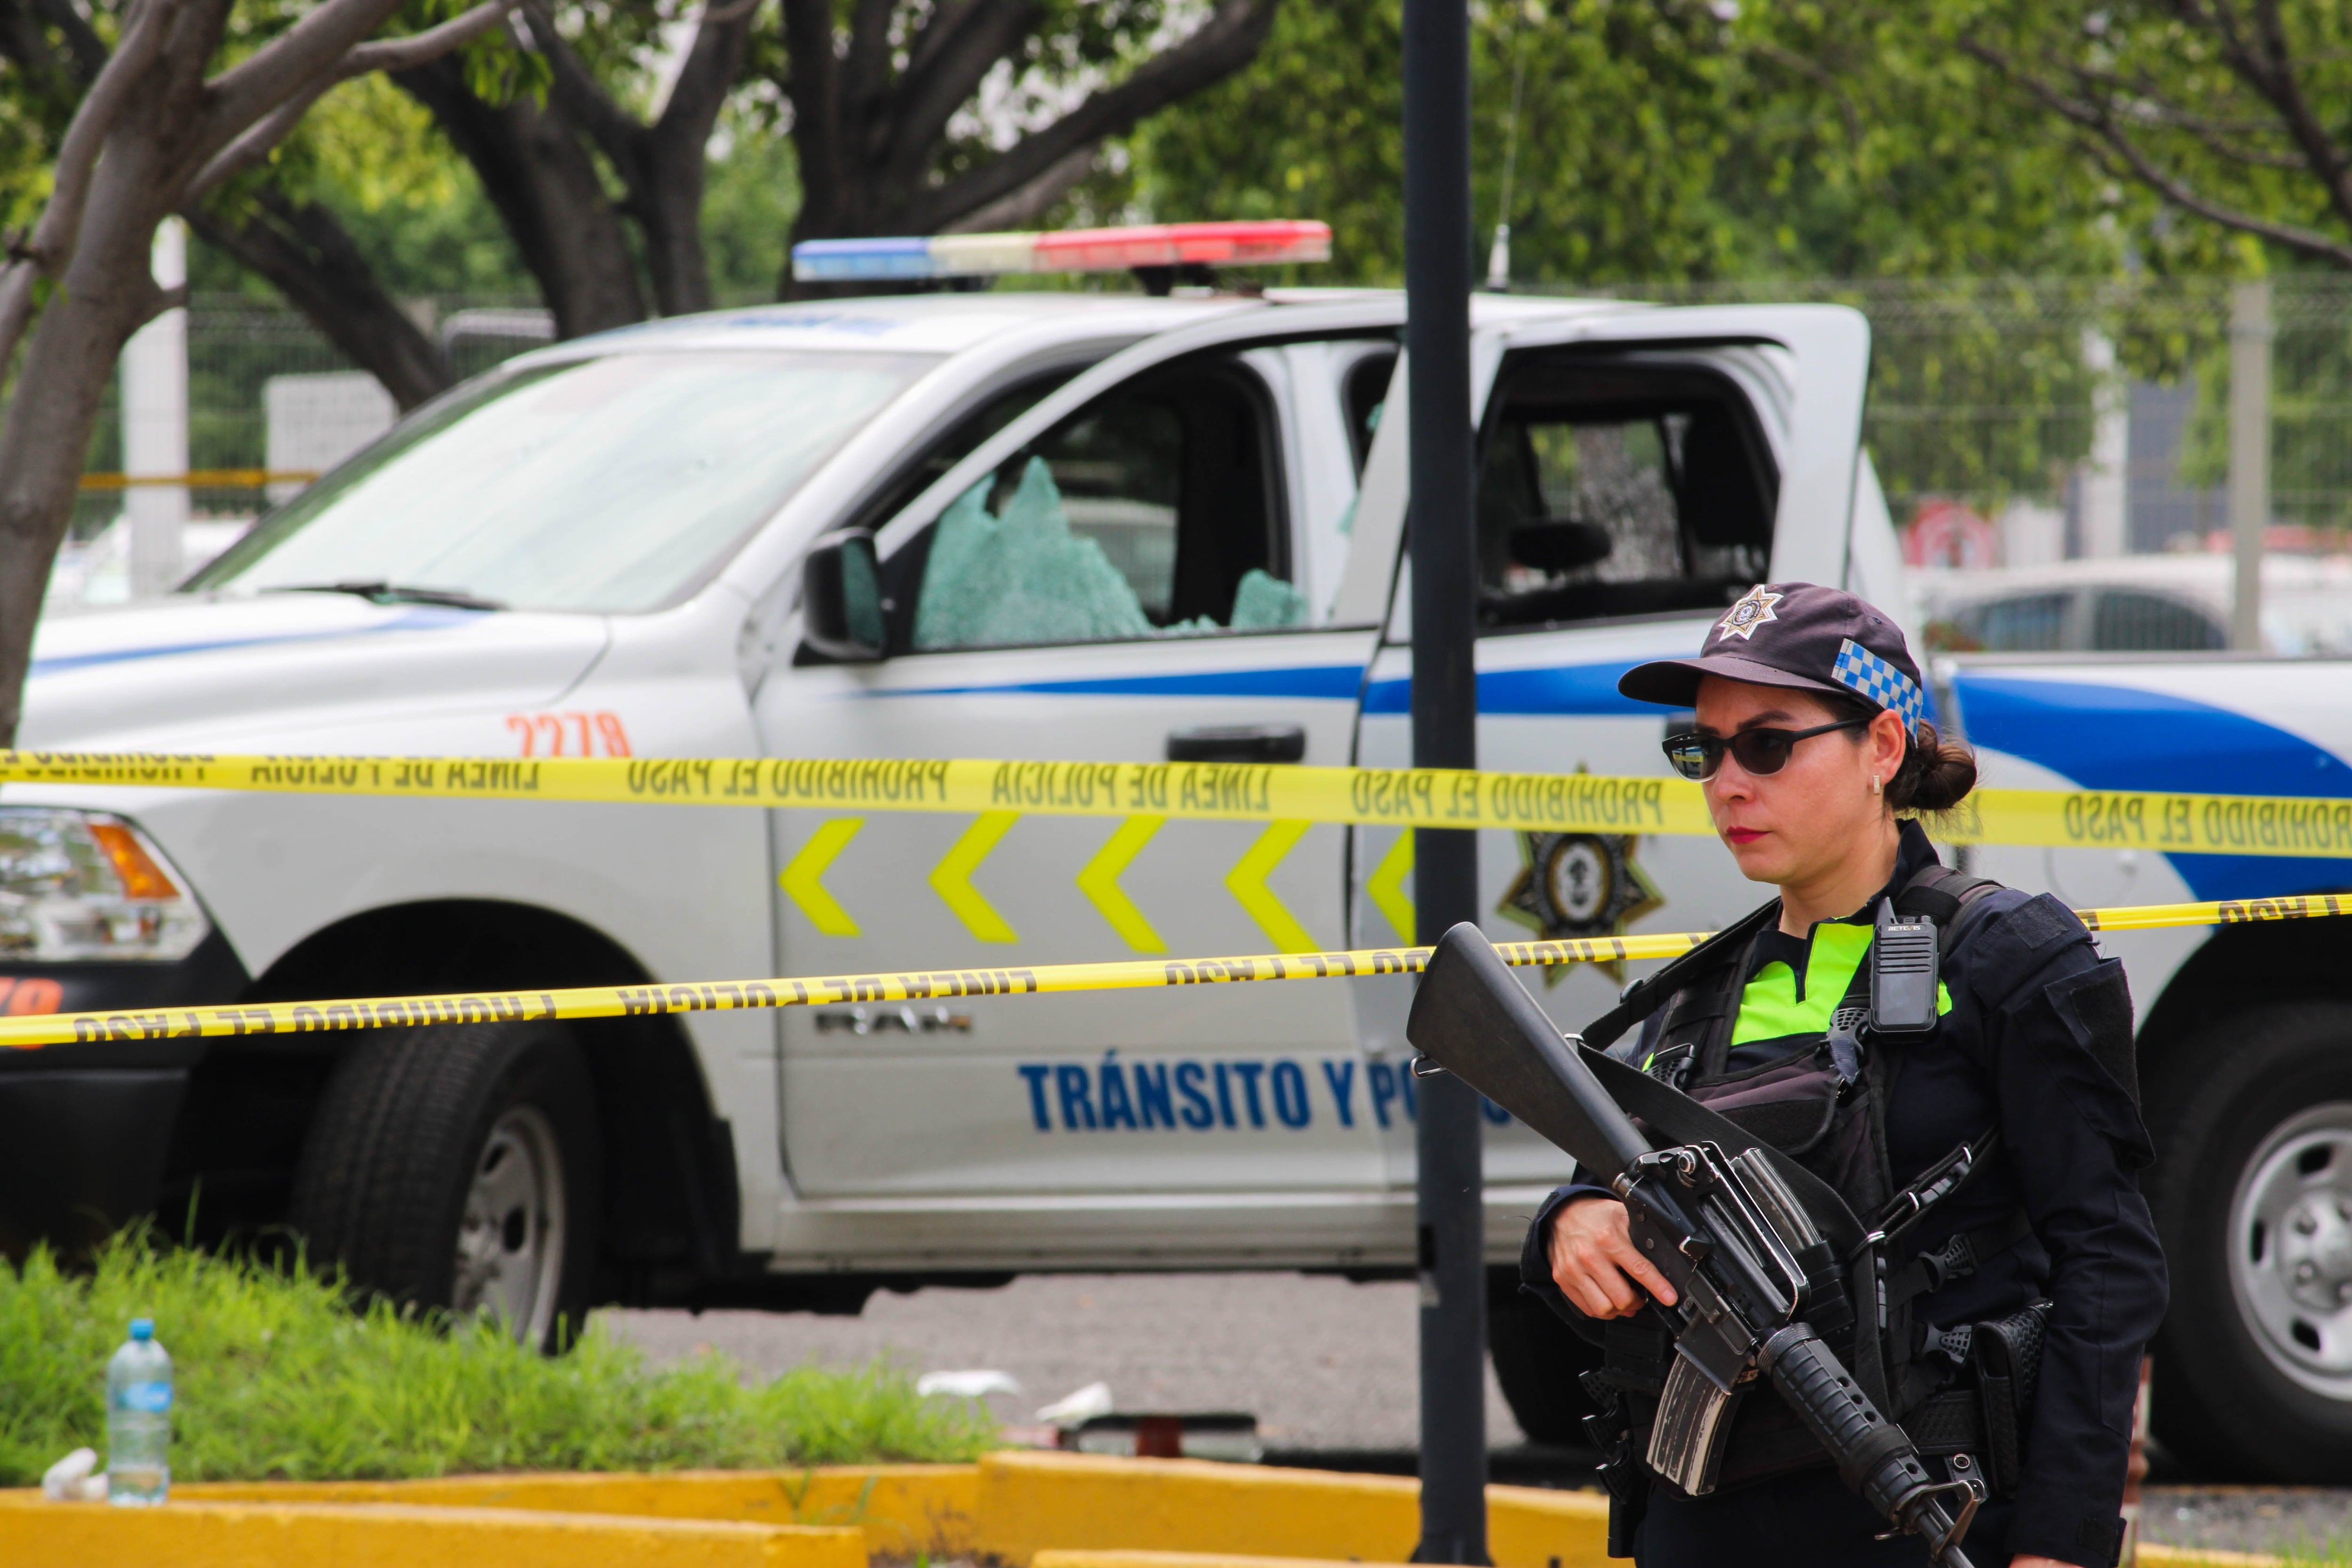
2304 1520
1326 1366
1322 1364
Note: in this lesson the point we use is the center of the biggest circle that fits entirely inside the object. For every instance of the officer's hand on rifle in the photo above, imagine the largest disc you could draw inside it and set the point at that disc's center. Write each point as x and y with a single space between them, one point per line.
1592 1255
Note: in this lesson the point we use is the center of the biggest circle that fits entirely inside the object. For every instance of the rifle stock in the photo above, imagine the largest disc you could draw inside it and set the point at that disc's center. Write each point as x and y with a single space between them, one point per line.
1472 1017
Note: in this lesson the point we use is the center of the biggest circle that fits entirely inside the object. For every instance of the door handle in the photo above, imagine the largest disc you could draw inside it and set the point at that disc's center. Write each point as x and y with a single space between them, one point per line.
1237 743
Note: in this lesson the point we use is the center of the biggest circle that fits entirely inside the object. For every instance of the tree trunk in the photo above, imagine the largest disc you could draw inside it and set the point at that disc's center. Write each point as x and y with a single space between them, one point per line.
109 294
550 195
307 254
667 167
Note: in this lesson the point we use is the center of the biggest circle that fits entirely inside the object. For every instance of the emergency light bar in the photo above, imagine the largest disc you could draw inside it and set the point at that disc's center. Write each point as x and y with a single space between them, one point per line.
1253 244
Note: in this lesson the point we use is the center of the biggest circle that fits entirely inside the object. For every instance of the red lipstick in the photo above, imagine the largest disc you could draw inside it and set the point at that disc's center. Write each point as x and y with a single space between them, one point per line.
1743 834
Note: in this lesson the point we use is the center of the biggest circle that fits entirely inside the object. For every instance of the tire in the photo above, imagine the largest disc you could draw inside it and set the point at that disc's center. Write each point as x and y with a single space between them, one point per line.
1538 1360
457 1168
2254 1200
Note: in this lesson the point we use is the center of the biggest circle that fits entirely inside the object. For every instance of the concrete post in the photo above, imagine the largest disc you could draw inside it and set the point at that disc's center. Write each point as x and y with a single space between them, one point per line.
2105 511
2250 456
155 426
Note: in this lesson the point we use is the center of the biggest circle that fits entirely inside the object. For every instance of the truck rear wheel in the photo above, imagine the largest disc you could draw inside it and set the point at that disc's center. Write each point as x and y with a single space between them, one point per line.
2253 1200
1538 1360
457 1167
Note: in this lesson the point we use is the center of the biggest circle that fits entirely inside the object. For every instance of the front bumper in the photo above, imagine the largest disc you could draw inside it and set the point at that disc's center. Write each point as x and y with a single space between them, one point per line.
86 1129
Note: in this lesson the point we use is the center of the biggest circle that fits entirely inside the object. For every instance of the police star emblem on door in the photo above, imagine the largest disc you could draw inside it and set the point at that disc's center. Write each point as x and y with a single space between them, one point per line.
1579 885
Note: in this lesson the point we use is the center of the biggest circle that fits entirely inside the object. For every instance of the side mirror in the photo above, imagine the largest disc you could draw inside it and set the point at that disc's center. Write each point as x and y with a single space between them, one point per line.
841 597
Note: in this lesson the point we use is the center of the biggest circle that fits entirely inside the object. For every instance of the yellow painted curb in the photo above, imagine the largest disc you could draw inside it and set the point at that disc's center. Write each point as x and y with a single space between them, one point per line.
1034 1503
1177 1560
41 1534
902 1508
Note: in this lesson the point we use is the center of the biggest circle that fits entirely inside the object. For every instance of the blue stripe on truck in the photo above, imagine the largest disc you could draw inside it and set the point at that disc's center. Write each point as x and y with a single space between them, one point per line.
2123 737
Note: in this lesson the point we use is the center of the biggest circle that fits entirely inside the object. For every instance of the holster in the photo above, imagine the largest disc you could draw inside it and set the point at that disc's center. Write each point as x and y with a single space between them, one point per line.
2007 1355
1611 1430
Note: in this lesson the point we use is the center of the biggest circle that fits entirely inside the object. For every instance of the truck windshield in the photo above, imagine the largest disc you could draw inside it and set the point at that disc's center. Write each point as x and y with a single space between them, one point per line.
612 484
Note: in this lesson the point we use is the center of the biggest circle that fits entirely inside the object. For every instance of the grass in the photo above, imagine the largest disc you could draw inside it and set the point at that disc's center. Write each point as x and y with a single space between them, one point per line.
278 1377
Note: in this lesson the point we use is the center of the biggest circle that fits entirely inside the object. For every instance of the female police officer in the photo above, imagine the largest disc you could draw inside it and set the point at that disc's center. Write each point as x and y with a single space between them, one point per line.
1995 1153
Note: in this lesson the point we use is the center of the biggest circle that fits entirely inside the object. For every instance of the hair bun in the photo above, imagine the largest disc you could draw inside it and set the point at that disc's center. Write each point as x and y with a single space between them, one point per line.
1936 775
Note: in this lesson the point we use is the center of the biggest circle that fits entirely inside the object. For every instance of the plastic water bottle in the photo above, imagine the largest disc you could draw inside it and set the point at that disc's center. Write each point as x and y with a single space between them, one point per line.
138 1419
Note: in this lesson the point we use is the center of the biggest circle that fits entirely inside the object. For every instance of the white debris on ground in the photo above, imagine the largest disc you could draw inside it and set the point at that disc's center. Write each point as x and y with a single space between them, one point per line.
1323 1364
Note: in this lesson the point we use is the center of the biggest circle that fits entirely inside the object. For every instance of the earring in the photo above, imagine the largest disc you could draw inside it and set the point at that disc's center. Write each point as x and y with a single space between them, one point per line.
1877 784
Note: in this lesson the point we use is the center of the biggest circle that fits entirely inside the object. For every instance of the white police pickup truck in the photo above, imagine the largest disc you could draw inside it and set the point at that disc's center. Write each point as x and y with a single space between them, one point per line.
1051 526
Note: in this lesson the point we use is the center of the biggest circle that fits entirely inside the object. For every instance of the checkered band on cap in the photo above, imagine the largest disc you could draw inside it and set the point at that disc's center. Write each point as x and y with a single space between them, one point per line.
1878 681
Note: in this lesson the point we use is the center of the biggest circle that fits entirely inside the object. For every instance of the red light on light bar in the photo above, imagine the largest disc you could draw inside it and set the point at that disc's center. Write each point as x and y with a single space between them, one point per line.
1261 243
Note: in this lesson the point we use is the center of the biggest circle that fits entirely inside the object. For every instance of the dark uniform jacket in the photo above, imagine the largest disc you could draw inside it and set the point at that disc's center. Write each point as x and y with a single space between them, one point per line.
2033 1013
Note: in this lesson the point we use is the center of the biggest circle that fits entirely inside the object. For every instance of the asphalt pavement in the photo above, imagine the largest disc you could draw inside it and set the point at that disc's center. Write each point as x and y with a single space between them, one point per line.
1326 1367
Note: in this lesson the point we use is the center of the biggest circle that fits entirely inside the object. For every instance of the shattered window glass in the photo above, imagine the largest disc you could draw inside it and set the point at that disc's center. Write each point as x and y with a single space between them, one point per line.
1595 502
1153 512
1025 574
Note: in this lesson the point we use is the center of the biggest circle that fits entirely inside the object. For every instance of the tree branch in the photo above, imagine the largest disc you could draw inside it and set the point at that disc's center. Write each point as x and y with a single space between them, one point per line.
868 66
89 50
1030 202
313 261
101 106
308 50
385 55
940 34
2273 77
712 63
2095 118
924 101
59 226
578 93
1222 44
814 88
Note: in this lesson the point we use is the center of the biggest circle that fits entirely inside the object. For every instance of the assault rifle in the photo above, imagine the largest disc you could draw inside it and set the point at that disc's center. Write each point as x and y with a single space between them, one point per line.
1747 1264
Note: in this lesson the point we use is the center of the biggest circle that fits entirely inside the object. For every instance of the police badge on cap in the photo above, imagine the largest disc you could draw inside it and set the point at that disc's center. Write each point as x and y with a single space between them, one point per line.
1753 608
1822 639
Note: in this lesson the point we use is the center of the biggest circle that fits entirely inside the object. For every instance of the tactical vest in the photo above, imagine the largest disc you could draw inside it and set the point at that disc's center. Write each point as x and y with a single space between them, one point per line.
1823 1106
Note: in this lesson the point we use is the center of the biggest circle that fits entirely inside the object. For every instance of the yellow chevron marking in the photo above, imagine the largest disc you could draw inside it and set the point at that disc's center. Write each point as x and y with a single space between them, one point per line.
951 877
801 880
1099 882
1248 882
1385 886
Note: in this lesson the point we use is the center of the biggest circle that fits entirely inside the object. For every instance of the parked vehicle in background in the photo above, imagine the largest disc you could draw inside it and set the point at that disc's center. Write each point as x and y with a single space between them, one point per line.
1097 527
2135 604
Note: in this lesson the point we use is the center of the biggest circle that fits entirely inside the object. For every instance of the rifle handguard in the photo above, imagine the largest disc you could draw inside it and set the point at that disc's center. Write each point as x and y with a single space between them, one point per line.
1875 1455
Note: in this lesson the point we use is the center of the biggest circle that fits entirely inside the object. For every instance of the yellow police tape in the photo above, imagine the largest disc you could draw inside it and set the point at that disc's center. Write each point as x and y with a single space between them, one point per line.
933 985
1401 797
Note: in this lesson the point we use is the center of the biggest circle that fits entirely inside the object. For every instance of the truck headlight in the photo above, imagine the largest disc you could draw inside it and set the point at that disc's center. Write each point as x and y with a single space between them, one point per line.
83 884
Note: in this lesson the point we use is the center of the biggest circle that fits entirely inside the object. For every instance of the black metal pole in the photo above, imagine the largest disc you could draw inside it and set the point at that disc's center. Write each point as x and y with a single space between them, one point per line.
1437 247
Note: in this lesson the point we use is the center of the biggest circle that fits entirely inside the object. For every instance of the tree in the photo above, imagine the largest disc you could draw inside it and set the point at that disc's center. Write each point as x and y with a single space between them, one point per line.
158 130
881 112
538 162
1657 141
297 245
2224 109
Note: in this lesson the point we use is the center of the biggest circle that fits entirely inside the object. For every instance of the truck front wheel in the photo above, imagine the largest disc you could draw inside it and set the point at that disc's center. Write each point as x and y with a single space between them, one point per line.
456 1167
2253 1200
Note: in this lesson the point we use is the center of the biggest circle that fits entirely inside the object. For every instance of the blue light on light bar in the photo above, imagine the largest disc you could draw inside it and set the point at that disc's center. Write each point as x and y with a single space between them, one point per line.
1240 244
842 260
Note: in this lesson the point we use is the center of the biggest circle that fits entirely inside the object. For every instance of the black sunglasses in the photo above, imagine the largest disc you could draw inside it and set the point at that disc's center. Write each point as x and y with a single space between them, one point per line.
1760 752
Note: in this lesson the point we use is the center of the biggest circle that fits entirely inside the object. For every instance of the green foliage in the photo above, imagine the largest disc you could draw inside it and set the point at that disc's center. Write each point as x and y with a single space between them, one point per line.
753 190
278 1378
2160 68
1657 140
